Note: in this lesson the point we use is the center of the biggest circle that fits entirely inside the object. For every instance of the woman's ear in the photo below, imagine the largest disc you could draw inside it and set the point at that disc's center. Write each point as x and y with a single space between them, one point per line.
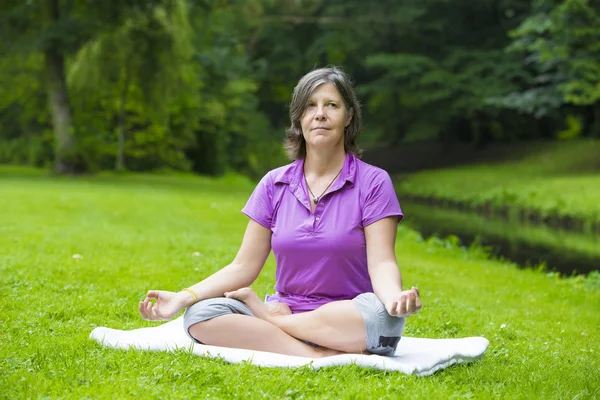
350 115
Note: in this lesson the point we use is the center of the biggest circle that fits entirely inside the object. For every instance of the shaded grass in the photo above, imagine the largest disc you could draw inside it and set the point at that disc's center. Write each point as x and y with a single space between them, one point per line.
135 235
560 179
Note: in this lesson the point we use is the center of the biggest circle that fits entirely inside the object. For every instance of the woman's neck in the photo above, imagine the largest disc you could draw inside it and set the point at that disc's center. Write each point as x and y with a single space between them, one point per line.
324 163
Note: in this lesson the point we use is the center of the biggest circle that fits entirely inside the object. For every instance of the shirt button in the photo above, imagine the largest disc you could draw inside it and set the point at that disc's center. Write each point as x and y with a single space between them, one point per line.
317 218
322 204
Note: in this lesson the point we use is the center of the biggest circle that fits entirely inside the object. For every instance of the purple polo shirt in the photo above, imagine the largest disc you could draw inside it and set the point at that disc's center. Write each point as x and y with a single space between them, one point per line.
321 257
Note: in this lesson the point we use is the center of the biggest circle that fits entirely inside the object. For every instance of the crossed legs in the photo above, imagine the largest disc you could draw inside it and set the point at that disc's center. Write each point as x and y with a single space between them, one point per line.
337 327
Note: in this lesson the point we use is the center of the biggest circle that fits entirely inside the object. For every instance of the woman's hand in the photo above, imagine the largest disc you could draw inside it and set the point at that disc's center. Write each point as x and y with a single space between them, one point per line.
407 303
166 306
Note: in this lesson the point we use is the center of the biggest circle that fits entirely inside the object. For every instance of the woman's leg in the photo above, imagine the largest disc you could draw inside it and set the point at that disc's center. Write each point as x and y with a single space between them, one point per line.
248 332
337 325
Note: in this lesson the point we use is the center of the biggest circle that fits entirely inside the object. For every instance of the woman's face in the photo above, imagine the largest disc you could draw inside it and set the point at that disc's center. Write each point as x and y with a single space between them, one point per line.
325 118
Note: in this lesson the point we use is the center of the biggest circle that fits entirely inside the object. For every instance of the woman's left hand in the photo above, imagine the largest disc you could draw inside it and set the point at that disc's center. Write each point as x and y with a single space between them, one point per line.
407 303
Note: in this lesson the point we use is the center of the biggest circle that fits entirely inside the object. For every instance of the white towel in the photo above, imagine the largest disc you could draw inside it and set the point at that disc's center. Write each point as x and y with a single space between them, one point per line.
413 356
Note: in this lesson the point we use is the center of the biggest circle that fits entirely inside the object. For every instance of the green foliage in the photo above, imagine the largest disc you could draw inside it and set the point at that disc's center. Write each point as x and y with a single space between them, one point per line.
437 81
25 129
28 26
559 43
57 29
573 129
428 91
141 75
232 132
209 83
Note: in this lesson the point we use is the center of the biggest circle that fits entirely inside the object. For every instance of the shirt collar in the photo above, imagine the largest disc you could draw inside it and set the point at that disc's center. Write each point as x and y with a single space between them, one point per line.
293 174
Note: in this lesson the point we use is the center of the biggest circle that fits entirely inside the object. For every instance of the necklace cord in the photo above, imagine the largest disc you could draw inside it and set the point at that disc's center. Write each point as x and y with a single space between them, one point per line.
315 199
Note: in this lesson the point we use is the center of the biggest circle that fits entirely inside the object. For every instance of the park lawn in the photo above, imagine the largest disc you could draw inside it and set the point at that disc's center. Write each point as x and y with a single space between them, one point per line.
140 232
559 178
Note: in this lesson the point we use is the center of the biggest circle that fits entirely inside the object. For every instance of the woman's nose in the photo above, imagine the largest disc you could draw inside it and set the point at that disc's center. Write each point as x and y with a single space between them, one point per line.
320 114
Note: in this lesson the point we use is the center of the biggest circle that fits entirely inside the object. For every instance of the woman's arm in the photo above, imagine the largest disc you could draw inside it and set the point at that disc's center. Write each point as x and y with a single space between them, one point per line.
383 269
244 269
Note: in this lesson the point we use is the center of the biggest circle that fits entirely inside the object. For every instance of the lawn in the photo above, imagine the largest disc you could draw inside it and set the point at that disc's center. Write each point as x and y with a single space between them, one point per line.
560 178
139 232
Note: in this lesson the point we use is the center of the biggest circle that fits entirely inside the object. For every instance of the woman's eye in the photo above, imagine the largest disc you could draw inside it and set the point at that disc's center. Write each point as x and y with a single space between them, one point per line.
310 105
333 105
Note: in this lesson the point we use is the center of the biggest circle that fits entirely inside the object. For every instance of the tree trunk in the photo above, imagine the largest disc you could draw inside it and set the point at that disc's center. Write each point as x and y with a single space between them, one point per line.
58 97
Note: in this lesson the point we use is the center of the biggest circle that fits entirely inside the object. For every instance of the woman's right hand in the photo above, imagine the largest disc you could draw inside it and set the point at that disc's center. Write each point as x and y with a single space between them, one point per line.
166 305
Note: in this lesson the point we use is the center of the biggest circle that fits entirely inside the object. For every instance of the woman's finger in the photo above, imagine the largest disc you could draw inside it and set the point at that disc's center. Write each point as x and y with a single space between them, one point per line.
149 309
145 302
412 303
403 304
142 310
393 310
153 313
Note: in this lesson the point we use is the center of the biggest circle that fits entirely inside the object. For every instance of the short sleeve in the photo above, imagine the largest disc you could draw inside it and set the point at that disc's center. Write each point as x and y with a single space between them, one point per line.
259 206
381 200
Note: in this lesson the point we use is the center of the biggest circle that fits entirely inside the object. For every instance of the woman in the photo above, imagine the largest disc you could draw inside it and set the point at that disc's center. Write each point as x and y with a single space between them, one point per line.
331 222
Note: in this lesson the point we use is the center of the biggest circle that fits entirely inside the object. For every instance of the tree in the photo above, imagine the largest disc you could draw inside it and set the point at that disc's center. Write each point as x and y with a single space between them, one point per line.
151 52
233 131
56 29
434 79
25 122
559 45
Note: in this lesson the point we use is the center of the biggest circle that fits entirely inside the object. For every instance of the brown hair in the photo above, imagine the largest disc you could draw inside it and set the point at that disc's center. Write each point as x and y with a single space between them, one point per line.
294 143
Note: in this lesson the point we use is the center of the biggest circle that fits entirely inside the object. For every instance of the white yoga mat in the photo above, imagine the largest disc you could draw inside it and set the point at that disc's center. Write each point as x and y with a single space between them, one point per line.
413 356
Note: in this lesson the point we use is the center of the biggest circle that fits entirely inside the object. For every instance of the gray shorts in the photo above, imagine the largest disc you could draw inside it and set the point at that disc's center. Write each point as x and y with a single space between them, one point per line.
383 330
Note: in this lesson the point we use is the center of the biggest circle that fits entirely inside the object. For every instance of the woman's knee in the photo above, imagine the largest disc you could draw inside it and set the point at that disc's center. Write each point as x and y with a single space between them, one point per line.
197 317
383 330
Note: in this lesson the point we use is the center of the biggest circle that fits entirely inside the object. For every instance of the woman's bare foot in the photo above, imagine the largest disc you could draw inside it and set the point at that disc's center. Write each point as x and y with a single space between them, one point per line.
270 313
250 298
260 309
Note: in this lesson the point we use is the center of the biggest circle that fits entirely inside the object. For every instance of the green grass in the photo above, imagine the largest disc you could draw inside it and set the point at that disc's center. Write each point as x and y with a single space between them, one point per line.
140 232
562 178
